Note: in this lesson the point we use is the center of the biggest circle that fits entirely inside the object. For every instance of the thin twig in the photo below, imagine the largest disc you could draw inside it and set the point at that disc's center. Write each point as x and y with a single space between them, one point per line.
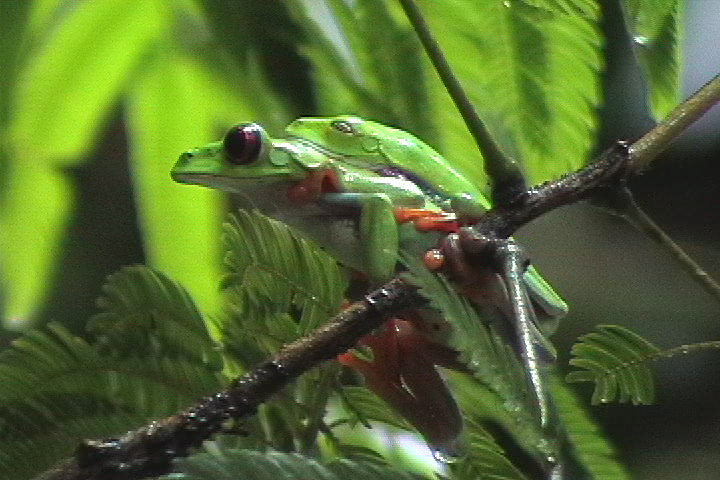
649 146
690 348
644 151
504 172
633 214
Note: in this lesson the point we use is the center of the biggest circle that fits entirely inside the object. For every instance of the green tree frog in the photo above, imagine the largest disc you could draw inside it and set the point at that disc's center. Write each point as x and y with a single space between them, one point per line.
364 192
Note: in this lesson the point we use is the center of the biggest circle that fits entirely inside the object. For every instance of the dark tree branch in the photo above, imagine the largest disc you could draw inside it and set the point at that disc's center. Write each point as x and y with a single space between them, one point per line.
149 451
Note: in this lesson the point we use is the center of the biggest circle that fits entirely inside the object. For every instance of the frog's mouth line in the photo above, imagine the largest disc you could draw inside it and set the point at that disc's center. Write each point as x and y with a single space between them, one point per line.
223 183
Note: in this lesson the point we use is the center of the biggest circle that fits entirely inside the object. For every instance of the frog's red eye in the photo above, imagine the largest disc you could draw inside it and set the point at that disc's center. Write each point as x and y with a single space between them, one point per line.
242 143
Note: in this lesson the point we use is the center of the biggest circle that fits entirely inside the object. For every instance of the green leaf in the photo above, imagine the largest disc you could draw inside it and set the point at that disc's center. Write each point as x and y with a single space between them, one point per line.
588 8
57 390
657 33
616 360
586 442
534 76
170 109
499 388
484 457
482 349
258 43
14 25
368 62
280 286
481 406
235 464
145 313
76 63
366 406
80 66
533 71
31 235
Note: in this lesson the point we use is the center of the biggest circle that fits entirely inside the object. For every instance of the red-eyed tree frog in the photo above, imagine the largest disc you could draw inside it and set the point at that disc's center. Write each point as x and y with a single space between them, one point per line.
365 192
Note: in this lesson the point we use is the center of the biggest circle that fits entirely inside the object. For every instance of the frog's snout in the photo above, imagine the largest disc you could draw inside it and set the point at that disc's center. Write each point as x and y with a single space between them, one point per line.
193 164
184 159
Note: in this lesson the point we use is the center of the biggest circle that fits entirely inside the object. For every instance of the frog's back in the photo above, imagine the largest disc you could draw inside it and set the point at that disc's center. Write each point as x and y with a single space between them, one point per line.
423 165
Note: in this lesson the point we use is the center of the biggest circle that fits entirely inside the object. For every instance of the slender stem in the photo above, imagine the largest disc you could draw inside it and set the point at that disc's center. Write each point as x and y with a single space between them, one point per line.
316 401
640 220
649 146
502 170
693 347
667 353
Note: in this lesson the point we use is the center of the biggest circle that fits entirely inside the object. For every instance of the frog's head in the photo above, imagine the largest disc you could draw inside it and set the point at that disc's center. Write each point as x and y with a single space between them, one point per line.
245 153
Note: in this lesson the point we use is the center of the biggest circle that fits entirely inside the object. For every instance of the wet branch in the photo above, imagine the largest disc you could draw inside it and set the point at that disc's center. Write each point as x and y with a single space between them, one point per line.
149 451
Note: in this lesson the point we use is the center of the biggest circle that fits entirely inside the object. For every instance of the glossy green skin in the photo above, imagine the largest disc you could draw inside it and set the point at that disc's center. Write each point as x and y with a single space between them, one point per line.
356 224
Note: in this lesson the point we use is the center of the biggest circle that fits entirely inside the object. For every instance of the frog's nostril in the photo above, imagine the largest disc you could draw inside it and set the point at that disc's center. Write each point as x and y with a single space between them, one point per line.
185 158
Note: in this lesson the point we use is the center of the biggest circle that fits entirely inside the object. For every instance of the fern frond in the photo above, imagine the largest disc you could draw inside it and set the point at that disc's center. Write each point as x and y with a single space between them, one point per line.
569 7
57 390
484 457
278 288
145 313
615 359
366 406
234 464
498 389
535 78
587 443
482 349
279 285
656 28
382 75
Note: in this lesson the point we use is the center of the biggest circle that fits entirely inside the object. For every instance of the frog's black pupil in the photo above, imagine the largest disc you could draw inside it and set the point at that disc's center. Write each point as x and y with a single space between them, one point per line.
242 143
342 126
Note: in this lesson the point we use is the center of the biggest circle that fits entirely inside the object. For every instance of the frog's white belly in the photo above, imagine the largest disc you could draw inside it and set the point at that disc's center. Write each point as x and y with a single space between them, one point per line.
336 232
340 236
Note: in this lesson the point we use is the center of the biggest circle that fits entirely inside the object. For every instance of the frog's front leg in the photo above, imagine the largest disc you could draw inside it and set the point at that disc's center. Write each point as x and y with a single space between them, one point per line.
377 230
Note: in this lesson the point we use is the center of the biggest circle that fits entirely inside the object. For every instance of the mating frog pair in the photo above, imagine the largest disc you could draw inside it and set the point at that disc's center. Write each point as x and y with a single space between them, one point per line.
366 192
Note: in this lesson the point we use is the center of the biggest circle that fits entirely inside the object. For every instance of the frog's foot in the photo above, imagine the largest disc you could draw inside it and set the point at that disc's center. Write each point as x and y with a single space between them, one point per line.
426 220
403 374
479 283
435 330
484 286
